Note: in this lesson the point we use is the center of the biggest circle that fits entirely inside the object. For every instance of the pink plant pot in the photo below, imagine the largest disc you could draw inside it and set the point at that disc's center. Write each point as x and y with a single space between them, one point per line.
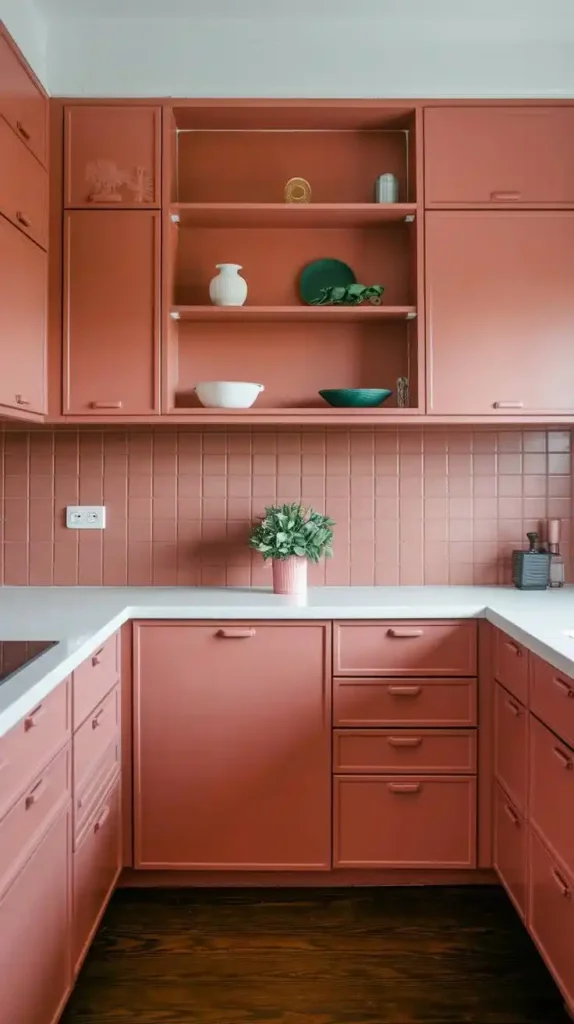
290 575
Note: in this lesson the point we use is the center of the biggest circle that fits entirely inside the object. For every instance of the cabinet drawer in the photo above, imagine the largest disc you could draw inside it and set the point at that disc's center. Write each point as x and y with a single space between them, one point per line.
94 737
96 866
383 750
93 679
551 914
23 187
32 744
552 698
511 665
24 824
89 793
405 649
511 746
22 103
411 821
490 155
552 790
425 702
510 848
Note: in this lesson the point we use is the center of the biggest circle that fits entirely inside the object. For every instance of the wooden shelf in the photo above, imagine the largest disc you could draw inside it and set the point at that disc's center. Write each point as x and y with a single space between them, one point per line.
318 415
293 314
291 215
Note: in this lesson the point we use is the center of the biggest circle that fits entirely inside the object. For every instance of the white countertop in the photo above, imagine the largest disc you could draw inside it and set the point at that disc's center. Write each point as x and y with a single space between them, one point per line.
81 618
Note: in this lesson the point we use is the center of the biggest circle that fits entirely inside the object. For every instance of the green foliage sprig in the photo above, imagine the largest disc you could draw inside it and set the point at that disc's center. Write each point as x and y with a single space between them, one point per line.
287 530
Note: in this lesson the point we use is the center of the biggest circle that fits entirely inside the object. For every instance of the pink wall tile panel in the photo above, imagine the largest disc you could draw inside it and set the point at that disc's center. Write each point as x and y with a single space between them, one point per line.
411 506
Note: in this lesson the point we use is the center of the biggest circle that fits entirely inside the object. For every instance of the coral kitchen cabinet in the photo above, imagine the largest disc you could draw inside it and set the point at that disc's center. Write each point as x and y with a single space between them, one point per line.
500 310
23 288
232 746
111 312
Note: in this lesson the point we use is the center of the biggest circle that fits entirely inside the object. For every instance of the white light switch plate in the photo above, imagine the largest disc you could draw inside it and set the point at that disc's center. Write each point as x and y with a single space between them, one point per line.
86 517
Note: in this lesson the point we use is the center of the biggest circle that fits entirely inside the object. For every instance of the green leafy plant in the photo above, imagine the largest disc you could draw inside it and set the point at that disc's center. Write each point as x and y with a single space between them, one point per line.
350 295
287 530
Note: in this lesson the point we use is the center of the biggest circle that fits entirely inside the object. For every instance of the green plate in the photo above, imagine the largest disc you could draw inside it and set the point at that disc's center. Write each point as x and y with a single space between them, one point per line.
351 398
324 274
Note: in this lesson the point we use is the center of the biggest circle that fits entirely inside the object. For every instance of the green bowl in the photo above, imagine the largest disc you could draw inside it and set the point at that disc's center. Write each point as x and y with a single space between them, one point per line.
357 398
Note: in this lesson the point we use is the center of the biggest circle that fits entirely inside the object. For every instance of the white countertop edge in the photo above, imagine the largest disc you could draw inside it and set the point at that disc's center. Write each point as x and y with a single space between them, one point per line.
82 618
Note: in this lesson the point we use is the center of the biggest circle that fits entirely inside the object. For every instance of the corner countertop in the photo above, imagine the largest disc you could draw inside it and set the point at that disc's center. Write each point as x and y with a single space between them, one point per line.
81 618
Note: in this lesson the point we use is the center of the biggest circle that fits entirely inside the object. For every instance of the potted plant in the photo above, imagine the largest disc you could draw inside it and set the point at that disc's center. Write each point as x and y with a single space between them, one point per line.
292 535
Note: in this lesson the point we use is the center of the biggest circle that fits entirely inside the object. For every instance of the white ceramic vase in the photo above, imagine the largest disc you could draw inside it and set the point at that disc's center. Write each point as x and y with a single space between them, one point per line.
228 288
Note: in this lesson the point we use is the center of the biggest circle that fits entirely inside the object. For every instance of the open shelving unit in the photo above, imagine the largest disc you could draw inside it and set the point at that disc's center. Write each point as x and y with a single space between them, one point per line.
226 164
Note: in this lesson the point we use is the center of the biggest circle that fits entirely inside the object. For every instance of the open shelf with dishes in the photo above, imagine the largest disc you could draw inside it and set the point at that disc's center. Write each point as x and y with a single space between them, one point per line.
226 172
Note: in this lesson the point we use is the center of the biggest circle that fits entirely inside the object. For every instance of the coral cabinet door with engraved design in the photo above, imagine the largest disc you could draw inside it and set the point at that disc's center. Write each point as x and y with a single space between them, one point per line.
112 156
111 312
500 309
232 746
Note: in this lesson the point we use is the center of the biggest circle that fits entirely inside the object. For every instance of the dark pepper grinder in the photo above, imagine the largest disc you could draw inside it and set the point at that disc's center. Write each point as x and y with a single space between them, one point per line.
531 569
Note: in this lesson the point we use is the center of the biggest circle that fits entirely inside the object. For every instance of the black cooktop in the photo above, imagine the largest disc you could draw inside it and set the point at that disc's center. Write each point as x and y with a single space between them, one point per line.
14 654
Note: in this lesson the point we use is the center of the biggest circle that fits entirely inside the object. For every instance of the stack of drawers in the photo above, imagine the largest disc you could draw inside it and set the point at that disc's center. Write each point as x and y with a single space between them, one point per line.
404 744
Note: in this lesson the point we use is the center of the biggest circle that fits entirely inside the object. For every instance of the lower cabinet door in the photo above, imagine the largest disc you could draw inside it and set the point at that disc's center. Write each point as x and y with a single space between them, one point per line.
551 915
510 849
97 864
405 821
35 932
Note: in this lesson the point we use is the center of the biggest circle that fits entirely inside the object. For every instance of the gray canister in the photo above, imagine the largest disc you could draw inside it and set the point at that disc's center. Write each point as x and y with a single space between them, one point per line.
387 189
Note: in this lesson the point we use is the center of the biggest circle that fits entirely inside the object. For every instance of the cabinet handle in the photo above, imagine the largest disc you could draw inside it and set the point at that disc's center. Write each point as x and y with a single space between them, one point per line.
512 814
35 794
500 197
508 405
404 741
102 819
513 707
404 787
562 685
21 400
22 219
106 405
235 634
562 885
404 691
404 633
96 658
565 761
23 131
96 719
515 648
33 718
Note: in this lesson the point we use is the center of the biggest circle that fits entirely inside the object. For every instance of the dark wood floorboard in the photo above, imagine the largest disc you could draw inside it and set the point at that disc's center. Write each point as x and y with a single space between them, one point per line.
354 956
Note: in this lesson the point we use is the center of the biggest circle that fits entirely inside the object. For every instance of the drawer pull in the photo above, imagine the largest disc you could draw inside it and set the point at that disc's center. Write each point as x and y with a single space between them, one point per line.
33 718
508 405
96 658
23 219
501 197
23 131
96 719
36 794
565 761
106 405
404 741
562 685
404 787
513 707
21 400
102 819
562 885
404 634
404 691
512 814
235 634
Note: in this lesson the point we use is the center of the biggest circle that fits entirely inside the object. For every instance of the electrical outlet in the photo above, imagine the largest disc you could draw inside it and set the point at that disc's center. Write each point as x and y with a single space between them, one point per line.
86 517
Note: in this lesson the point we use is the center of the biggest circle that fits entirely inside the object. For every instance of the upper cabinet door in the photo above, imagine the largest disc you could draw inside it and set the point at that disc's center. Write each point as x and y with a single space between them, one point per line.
23 187
22 103
23 300
500 312
499 155
111 312
112 156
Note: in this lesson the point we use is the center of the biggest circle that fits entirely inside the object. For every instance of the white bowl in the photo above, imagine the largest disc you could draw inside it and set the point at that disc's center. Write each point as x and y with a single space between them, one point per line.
228 394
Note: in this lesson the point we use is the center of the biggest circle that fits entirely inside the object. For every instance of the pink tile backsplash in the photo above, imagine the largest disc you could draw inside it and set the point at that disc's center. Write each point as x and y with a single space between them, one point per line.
411 506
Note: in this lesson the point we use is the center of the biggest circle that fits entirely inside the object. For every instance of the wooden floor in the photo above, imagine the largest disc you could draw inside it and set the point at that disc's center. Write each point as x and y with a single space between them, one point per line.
313 957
